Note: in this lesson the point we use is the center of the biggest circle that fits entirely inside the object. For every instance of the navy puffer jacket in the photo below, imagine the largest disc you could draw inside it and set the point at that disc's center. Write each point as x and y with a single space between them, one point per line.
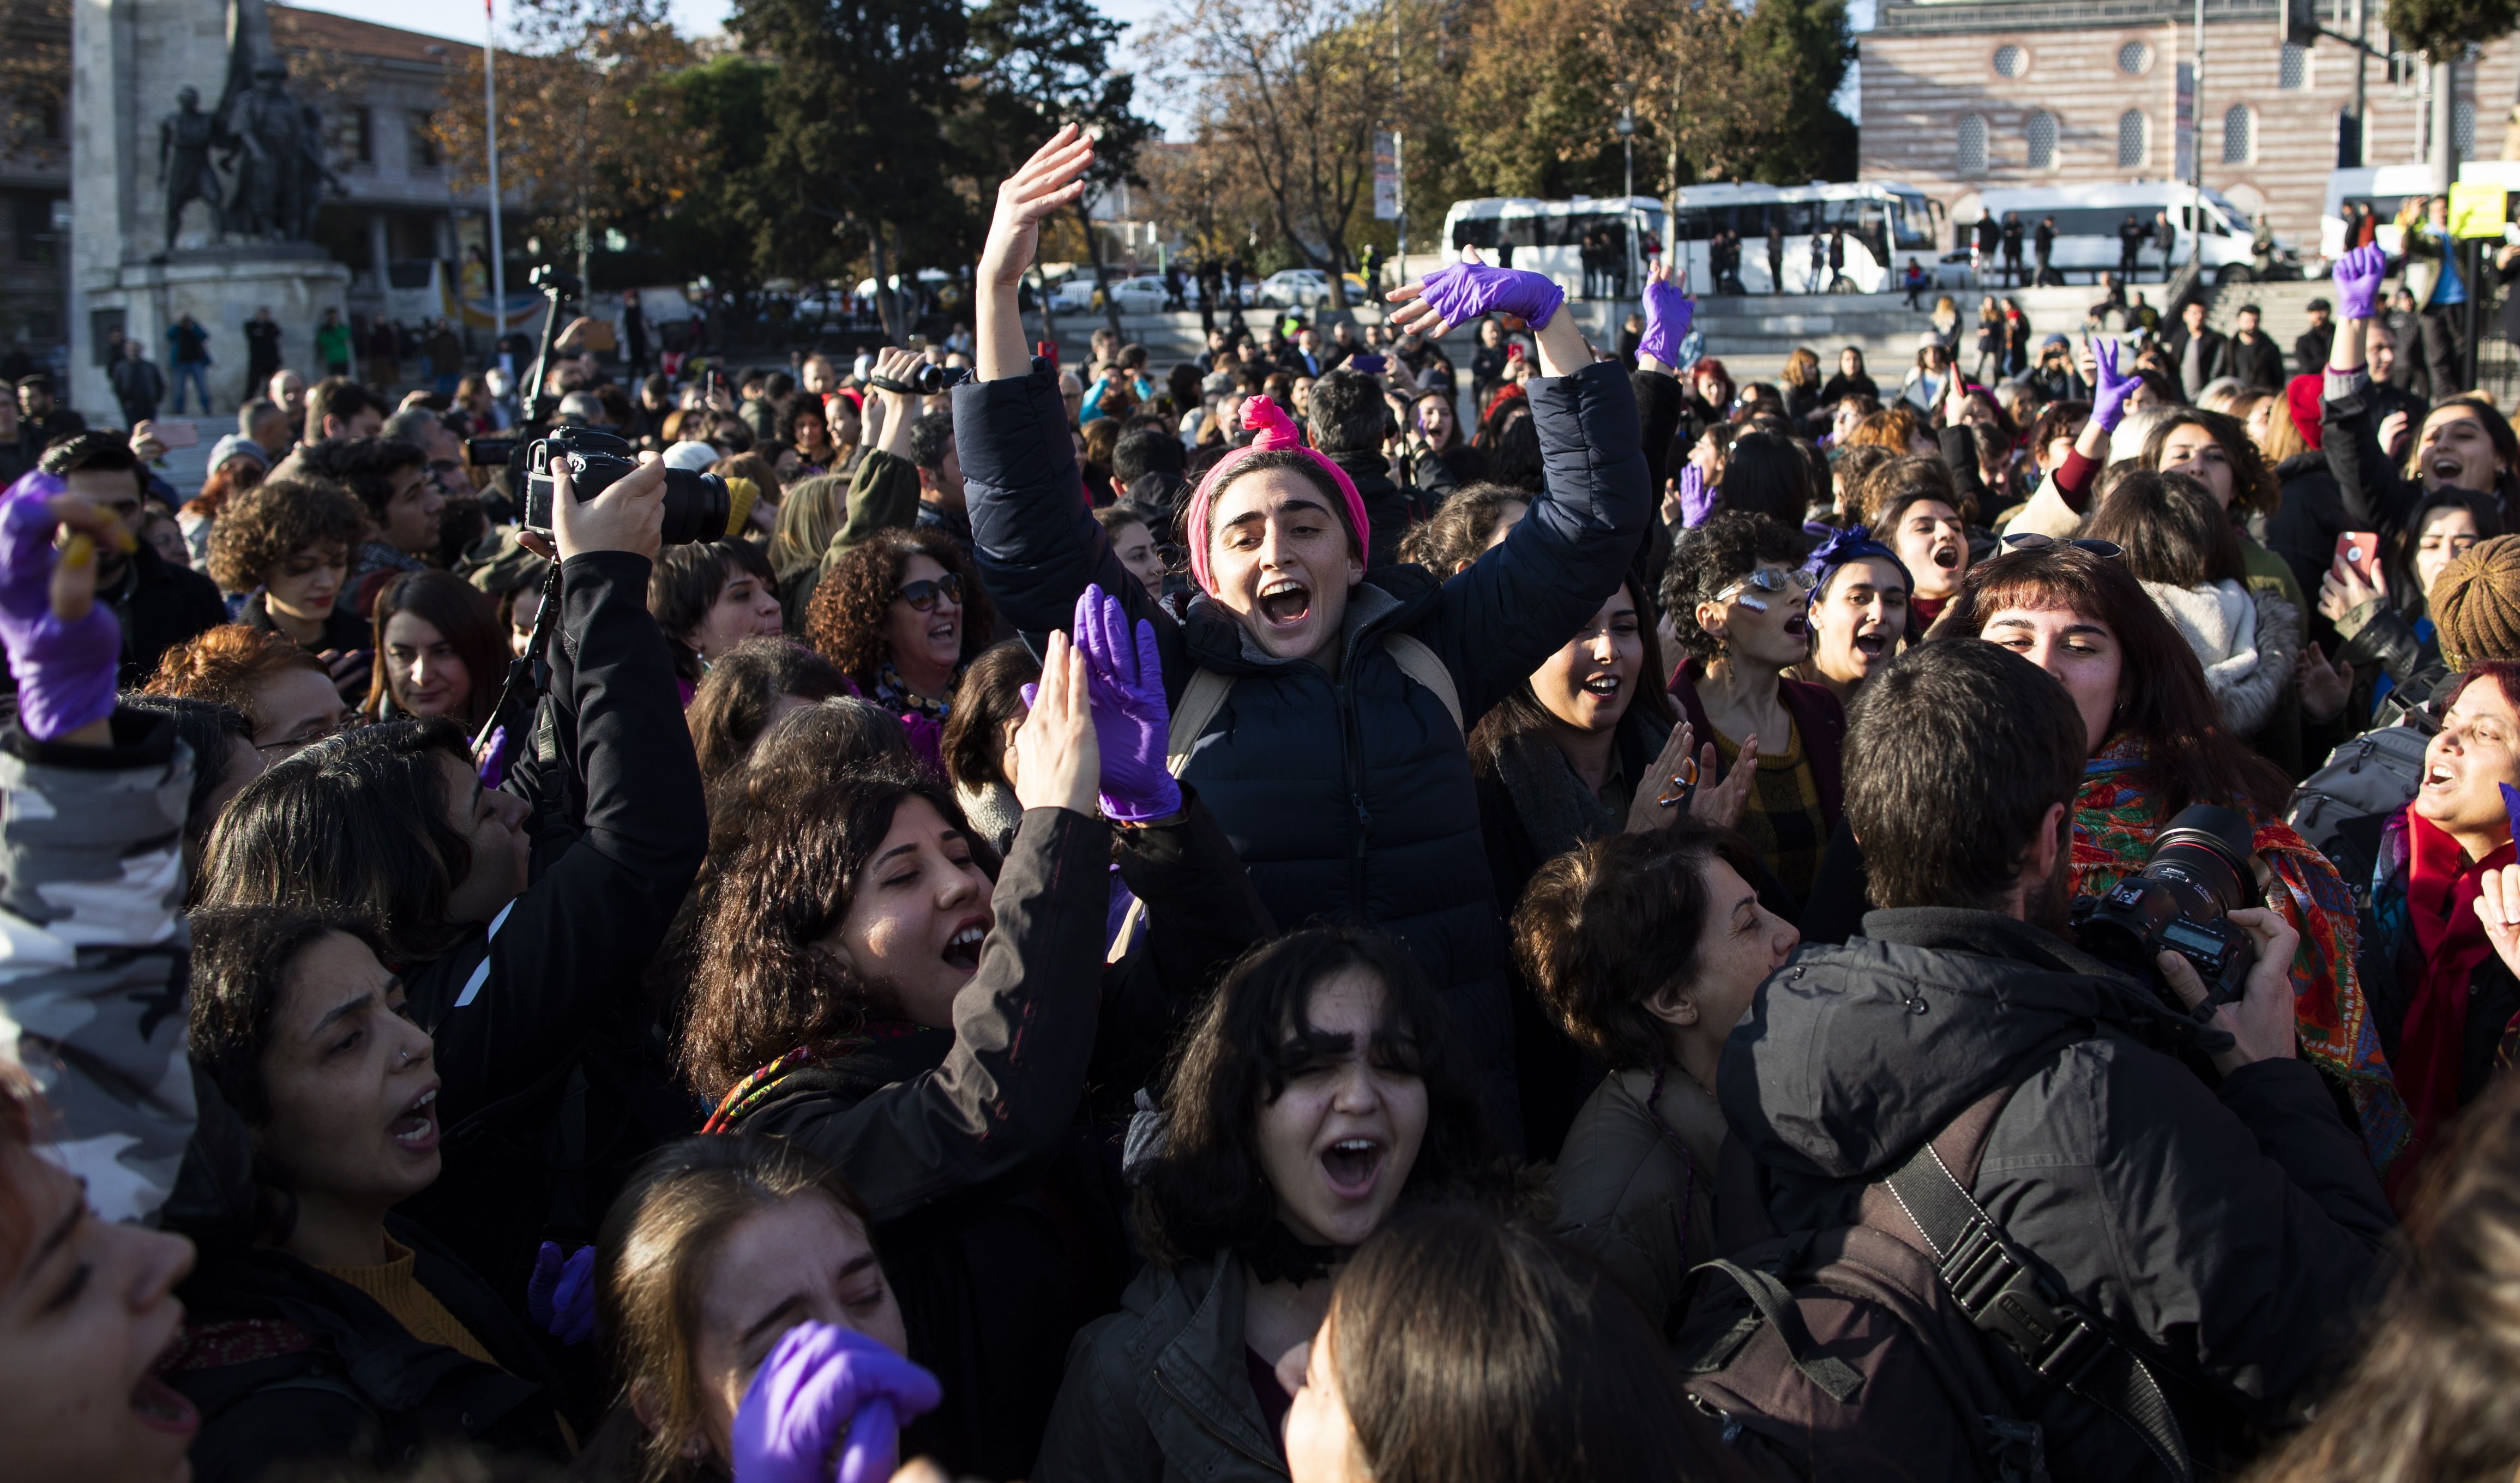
1347 798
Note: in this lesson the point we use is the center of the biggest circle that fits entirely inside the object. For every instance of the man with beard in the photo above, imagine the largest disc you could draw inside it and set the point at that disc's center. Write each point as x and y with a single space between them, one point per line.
2182 1214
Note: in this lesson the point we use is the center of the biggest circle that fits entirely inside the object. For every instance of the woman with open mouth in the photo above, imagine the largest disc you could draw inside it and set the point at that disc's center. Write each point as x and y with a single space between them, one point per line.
1738 596
2462 443
1332 703
310 1042
1319 1090
1913 504
875 986
902 615
1559 763
1858 612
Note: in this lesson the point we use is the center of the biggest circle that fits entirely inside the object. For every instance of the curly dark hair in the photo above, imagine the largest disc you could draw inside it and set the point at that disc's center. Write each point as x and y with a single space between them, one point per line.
763 987
845 623
1602 928
1461 528
1203 1193
1709 558
990 696
240 961
262 528
739 697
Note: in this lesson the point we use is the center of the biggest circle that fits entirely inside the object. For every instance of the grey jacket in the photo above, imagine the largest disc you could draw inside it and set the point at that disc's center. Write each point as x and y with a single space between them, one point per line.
1638 1194
93 951
1160 1392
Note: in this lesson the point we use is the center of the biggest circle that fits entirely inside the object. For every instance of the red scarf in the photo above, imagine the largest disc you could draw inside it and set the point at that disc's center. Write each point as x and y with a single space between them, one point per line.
2442 889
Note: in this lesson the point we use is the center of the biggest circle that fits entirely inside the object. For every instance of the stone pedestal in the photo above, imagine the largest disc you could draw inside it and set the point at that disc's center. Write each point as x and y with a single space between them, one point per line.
219 287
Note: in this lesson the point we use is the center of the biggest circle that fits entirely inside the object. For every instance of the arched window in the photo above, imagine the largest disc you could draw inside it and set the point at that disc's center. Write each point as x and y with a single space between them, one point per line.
2238 134
2040 130
2133 58
2010 61
1972 145
2292 72
2462 130
2131 141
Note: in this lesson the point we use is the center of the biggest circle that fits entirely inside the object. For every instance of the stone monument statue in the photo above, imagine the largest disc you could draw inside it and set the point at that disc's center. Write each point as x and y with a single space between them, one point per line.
256 158
184 141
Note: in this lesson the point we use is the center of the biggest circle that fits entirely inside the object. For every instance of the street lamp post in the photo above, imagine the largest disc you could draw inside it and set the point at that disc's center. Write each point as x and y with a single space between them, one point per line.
490 121
1627 127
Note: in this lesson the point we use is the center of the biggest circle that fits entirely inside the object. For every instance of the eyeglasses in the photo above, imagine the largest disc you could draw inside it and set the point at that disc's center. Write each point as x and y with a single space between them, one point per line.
2032 540
921 594
1769 579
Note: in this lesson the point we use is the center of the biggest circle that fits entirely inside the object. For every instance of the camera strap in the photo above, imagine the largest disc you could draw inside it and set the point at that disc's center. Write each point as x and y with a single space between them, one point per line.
522 670
1992 1281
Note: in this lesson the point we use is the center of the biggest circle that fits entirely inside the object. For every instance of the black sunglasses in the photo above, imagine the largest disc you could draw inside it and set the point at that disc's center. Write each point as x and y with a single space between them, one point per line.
2032 540
921 594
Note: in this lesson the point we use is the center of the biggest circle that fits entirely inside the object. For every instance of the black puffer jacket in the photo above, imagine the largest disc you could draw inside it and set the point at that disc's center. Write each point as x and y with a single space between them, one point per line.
287 1362
2235 1229
2305 525
1349 795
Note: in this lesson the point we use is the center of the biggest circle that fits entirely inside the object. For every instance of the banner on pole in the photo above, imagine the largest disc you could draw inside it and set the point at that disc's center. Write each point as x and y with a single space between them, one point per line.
2186 168
1386 175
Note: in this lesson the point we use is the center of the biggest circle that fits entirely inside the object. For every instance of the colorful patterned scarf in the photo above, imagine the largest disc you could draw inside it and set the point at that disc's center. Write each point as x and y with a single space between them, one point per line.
2115 818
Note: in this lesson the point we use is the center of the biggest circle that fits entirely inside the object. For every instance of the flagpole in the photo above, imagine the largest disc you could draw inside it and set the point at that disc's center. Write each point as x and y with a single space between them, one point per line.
490 119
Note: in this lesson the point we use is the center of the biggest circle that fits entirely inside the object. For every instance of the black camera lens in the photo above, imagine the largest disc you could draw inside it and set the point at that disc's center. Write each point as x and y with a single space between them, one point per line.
2208 847
697 507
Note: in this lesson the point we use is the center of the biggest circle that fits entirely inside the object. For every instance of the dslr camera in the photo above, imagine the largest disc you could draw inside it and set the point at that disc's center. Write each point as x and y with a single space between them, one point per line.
697 504
2179 903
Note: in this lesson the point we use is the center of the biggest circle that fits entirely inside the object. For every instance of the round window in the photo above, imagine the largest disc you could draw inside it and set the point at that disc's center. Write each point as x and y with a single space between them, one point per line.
2010 61
2134 57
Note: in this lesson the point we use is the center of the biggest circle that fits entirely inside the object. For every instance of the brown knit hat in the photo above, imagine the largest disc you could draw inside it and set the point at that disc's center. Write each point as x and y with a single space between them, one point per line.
2475 603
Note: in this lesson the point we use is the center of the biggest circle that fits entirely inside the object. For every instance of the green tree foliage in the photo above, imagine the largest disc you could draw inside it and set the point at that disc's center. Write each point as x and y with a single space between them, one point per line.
2440 28
857 155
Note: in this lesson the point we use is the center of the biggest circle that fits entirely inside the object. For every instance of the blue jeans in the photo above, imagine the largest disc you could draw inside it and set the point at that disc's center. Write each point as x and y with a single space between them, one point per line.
196 372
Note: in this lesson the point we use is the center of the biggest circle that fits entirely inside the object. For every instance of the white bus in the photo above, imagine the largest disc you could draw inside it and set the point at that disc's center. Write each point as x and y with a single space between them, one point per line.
2088 217
1881 224
1593 246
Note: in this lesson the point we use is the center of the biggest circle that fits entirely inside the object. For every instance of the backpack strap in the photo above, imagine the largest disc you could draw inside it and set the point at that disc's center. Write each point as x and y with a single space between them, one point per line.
1200 700
1993 1282
1420 663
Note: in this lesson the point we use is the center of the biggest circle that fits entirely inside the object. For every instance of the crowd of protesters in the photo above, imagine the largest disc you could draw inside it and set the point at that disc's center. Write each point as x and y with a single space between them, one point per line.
1308 914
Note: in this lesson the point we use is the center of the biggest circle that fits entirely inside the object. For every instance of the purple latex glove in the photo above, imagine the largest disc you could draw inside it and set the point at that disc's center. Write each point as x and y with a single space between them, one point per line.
1466 291
1668 313
1696 500
493 770
2109 398
2357 280
65 670
561 1295
926 736
1132 723
824 1388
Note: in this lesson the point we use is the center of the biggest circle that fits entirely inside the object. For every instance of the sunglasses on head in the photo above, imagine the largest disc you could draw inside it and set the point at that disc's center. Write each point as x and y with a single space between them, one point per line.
2032 540
921 594
1769 579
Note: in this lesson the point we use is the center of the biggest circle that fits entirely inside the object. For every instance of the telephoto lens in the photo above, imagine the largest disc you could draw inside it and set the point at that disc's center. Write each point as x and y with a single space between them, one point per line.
2198 873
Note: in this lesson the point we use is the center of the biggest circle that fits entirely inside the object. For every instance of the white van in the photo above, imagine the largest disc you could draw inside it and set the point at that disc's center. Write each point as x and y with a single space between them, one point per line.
2382 188
2087 219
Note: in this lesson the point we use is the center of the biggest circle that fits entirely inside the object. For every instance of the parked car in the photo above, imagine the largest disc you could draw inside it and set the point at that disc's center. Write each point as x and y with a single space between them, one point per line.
1295 288
1141 296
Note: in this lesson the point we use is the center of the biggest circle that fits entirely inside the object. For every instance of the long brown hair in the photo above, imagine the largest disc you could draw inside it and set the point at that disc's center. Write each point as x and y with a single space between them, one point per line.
763 986
464 614
2165 707
2431 1398
1472 1348
653 1257
2254 490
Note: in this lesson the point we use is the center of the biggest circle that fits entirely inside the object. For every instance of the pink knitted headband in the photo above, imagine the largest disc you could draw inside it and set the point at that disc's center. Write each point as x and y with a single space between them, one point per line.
1276 433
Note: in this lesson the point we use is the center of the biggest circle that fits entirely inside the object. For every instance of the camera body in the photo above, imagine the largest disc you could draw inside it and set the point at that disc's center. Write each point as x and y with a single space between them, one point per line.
924 380
2199 871
697 504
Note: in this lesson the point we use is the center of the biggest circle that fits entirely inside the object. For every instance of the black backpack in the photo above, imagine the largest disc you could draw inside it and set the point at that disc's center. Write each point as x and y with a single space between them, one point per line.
1918 1342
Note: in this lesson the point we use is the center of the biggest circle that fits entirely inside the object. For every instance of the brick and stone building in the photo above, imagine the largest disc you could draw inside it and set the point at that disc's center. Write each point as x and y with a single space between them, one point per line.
1961 95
